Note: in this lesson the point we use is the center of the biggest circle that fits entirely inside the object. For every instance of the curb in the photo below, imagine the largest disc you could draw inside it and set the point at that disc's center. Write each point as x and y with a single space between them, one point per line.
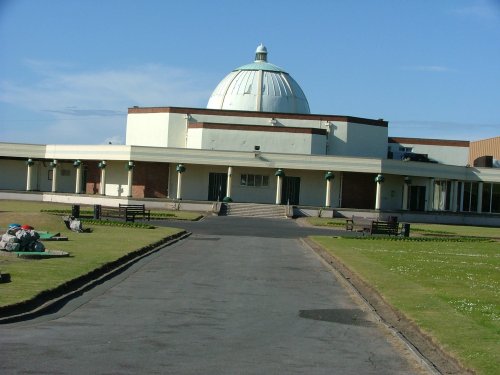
436 359
50 299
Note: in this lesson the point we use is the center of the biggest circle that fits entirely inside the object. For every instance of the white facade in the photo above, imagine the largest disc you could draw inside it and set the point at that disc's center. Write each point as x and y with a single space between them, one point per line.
287 133
439 151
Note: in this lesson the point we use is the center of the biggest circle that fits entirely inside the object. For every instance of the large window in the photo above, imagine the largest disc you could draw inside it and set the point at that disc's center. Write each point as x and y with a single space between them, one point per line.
442 195
469 203
256 180
491 198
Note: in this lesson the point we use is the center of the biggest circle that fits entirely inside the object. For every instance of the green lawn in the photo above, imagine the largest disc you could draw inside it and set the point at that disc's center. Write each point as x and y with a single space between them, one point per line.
450 289
419 228
88 250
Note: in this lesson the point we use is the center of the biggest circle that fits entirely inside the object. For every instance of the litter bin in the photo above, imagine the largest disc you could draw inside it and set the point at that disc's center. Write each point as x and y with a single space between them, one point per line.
406 230
75 210
97 211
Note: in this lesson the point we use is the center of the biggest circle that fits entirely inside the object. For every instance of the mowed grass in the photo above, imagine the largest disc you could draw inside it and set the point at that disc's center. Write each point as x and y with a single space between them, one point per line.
420 228
88 250
450 289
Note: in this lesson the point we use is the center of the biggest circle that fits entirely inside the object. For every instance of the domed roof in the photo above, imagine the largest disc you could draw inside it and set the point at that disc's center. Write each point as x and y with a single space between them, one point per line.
259 86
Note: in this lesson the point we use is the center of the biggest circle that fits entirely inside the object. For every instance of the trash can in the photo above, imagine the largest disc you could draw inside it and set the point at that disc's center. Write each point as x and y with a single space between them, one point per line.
406 229
75 210
97 211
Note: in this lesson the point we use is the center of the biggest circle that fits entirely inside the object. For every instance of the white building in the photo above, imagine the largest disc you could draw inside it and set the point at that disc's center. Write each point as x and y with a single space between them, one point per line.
258 142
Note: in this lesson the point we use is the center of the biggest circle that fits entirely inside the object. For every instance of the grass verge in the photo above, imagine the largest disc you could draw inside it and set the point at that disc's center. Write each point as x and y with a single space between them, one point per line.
420 228
88 250
450 289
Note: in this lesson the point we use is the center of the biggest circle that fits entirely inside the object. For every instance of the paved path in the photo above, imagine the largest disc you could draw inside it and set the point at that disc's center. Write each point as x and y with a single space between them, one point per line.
212 304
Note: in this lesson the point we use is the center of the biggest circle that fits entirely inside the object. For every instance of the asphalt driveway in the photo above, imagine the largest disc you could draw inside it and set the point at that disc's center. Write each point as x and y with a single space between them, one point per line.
237 297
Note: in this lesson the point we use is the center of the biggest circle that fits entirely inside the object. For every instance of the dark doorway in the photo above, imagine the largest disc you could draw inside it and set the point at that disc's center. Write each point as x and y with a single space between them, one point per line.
358 190
83 183
217 185
290 190
417 198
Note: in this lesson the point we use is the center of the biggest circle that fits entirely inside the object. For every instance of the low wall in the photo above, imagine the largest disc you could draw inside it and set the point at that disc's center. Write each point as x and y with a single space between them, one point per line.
106 201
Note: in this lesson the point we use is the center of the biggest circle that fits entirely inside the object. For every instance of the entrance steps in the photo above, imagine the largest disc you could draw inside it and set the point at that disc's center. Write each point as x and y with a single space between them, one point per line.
271 211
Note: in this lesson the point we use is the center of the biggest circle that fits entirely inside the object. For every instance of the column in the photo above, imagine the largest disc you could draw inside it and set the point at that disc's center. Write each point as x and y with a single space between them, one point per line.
454 196
180 170
329 176
102 187
29 174
378 197
228 198
479 197
279 183
406 188
130 177
53 164
462 196
78 180
429 203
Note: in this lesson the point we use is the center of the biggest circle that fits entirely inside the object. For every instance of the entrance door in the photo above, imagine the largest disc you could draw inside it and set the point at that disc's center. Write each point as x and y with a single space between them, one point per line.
290 191
217 184
417 198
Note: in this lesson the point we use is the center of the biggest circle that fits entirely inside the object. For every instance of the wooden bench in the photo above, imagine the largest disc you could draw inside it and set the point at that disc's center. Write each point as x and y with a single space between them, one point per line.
113 212
366 225
131 211
385 227
359 224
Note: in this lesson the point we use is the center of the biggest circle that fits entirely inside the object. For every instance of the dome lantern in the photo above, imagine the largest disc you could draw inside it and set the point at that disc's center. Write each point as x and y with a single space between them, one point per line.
261 53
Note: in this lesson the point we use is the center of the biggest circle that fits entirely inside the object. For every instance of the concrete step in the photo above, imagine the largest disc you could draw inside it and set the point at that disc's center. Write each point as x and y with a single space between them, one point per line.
256 210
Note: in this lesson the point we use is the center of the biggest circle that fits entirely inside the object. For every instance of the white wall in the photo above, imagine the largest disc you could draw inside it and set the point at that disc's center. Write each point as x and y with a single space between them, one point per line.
353 139
13 174
116 179
392 192
239 140
148 129
169 130
451 155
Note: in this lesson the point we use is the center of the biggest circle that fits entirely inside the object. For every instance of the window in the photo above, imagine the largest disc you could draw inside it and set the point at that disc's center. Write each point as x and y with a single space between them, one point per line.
256 180
491 198
470 197
442 195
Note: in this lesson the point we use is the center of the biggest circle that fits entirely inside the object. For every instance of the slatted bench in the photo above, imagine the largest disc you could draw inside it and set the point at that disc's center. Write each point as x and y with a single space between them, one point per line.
385 227
131 211
359 224
113 212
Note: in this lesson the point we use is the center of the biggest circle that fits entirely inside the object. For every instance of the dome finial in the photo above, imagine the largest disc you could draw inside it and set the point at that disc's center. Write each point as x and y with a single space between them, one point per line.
261 53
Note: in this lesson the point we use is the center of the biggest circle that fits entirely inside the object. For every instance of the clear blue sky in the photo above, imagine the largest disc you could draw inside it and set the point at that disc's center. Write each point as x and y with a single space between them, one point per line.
69 69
